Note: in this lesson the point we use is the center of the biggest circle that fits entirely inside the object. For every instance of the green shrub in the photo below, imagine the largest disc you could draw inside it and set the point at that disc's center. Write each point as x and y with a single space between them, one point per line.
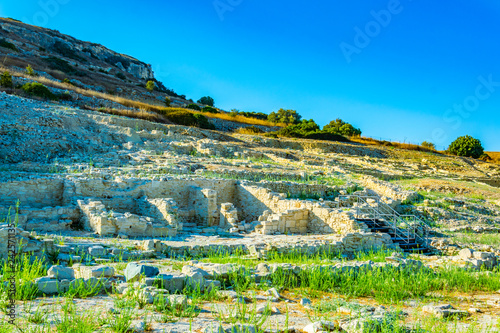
65 96
209 109
193 106
429 145
202 122
249 130
150 85
338 126
7 45
30 71
466 146
327 136
207 100
6 80
167 101
121 76
185 118
188 118
38 89
284 116
299 130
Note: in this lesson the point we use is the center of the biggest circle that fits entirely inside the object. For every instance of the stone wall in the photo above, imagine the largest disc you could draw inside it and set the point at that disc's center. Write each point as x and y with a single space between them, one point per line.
296 189
162 210
36 192
386 189
96 217
254 201
292 221
123 192
204 203
228 216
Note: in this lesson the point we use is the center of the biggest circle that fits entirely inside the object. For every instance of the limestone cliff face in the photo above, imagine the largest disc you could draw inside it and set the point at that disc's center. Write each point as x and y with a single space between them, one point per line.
35 42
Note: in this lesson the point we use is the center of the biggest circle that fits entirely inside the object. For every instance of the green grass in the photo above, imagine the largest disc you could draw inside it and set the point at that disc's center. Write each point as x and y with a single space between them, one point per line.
294 257
473 238
26 270
386 285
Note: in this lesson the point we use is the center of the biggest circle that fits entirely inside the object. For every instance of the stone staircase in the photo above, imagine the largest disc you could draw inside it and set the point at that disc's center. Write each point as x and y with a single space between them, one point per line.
408 231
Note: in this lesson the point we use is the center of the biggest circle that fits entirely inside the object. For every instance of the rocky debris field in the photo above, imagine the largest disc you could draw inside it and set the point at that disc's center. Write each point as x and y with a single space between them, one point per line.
77 172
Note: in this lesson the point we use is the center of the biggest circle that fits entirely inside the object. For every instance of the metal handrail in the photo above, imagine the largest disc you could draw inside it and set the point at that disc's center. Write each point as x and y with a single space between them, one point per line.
393 216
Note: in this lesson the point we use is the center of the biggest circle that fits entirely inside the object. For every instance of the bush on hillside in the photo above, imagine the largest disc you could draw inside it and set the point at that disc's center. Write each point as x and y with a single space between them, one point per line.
193 106
466 146
6 80
187 118
326 136
150 85
249 130
338 126
209 109
30 71
203 122
167 101
428 145
121 76
7 45
207 100
299 130
284 116
256 115
38 89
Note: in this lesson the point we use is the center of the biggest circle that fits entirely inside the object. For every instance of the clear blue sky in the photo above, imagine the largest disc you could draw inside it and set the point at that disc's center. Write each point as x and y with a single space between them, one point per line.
430 70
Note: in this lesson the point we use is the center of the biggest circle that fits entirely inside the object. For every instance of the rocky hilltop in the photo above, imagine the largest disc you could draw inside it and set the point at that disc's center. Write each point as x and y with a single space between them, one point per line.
66 57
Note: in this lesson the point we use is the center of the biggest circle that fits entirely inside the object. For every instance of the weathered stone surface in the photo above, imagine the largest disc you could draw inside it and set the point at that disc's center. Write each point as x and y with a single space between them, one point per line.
87 272
173 282
445 311
195 281
97 251
134 271
465 254
61 273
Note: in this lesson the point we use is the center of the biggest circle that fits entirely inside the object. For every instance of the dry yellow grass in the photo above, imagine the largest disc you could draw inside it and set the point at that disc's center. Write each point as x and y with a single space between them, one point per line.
136 114
241 119
374 142
495 156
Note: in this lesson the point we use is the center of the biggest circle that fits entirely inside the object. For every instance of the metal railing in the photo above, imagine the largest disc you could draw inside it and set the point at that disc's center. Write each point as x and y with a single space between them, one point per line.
372 208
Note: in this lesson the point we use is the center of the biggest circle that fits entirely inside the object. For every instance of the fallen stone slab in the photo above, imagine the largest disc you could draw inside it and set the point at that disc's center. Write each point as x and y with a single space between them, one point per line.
445 311
97 251
134 271
87 272
173 282
61 273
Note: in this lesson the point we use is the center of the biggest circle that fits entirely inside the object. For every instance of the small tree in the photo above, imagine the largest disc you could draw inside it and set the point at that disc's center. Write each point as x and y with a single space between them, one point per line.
30 71
466 146
167 101
207 100
150 85
338 126
6 80
284 116
428 145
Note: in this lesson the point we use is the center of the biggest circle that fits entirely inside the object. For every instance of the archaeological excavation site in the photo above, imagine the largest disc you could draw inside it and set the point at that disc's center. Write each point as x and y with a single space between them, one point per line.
115 222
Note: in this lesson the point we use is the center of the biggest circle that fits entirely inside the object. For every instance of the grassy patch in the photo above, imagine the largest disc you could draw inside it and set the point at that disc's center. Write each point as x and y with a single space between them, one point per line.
473 238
